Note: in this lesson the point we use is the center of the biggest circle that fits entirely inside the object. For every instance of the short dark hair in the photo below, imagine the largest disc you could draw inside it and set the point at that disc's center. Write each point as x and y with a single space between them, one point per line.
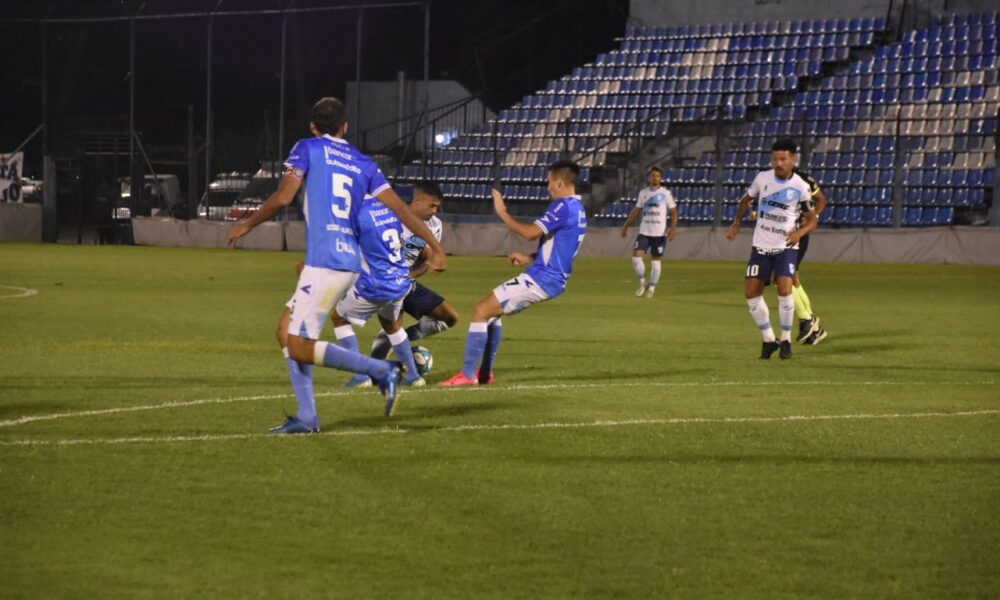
328 114
566 170
655 168
430 188
786 145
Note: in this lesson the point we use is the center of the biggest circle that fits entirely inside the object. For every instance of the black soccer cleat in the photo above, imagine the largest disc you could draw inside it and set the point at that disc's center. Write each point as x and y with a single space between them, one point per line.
786 349
767 349
807 327
816 337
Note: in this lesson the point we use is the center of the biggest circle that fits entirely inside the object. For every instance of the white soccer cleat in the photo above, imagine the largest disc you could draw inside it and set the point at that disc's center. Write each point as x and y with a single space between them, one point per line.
639 292
650 291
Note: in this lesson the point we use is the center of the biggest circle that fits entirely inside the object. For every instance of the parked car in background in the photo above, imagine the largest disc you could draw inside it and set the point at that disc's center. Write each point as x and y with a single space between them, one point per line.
160 195
236 196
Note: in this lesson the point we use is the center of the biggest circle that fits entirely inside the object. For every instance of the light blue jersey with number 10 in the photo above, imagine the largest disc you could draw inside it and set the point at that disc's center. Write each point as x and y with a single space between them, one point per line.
337 178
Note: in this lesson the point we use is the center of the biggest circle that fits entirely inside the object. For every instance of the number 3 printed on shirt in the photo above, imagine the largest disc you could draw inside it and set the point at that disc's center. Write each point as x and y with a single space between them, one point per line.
341 185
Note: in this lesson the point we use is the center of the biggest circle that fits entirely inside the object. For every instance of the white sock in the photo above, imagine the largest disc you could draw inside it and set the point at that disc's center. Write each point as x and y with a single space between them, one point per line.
426 327
654 273
786 314
640 269
762 317
344 331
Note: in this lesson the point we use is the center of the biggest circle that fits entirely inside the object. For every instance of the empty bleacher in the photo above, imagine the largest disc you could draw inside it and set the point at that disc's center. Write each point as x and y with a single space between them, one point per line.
921 111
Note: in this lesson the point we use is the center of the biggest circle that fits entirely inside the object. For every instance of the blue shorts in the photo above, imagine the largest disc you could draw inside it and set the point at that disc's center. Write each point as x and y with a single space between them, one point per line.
762 265
658 244
421 301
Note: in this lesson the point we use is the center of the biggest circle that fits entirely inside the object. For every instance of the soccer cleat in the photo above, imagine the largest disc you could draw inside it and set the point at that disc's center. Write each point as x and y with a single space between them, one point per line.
415 382
390 387
807 327
488 381
639 292
816 337
650 291
786 349
360 380
767 349
294 425
459 380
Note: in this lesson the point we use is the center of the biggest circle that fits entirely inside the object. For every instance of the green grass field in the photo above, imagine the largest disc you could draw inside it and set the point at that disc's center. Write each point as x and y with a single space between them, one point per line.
632 447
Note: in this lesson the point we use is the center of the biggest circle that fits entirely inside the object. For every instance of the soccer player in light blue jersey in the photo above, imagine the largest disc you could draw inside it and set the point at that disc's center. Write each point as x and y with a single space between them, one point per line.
561 230
337 177
381 288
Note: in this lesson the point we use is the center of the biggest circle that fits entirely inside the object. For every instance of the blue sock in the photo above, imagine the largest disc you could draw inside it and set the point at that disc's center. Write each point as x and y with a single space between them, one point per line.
302 383
475 345
401 344
494 332
335 357
346 338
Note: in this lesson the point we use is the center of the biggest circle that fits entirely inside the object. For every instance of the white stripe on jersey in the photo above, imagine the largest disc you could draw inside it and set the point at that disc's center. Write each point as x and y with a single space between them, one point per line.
413 245
779 204
655 205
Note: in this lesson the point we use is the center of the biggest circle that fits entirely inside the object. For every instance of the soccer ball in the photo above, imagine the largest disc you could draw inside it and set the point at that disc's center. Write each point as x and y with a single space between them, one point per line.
423 359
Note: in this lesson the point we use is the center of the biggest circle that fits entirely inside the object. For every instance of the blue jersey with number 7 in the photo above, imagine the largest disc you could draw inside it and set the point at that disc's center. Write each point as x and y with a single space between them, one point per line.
337 178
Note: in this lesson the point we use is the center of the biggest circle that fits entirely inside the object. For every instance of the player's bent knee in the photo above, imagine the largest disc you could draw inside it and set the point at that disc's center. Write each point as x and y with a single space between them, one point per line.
301 349
447 315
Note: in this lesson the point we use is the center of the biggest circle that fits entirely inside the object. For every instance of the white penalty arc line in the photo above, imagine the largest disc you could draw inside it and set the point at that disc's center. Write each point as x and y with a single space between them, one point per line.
24 292
499 427
492 388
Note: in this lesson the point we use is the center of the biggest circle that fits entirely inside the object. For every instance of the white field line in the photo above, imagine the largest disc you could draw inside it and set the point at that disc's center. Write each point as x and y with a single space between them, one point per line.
491 388
23 292
498 427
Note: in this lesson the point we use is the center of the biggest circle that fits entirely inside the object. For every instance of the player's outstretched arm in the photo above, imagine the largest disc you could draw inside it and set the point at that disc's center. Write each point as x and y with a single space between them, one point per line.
436 259
632 216
519 259
528 231
282 197
740 212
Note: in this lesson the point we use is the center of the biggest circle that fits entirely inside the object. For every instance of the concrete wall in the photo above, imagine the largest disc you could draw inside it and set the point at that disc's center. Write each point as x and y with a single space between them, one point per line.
948 245
20 222
379 106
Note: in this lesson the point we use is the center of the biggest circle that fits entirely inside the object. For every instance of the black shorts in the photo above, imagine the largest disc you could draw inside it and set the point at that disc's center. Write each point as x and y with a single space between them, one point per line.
657 245
421 301
803 246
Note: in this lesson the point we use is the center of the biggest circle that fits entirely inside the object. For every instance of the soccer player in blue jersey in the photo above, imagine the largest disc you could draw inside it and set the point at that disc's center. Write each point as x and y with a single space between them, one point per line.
384 282
782 197
337 177
561 230
432 312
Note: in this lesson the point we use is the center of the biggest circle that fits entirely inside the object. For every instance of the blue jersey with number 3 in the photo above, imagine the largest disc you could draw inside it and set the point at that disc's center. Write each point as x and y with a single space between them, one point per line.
337 178
384 274
563 225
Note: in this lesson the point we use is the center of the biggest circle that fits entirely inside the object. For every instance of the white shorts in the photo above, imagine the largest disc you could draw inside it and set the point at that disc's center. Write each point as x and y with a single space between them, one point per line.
315 296
358 309
519 293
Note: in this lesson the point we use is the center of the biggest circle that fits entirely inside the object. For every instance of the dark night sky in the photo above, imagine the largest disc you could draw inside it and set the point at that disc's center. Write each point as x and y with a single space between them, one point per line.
508 48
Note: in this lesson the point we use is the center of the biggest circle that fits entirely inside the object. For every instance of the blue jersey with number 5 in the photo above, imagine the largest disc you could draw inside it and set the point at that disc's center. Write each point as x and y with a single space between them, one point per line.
337 178
384 274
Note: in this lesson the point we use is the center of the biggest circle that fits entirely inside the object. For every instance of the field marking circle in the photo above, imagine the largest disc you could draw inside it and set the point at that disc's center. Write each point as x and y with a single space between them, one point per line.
24 292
